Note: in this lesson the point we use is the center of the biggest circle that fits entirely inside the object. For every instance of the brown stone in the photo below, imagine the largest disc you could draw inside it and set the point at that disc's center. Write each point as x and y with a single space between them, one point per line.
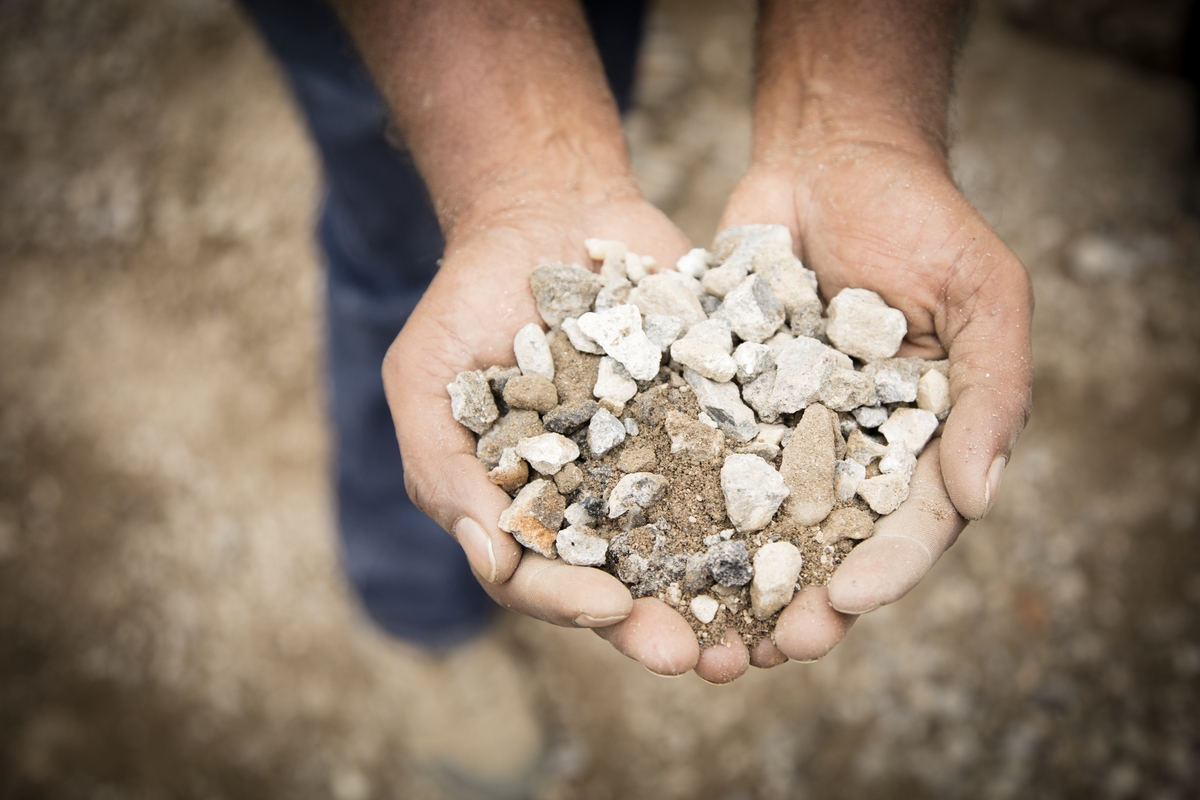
511 473
531 392
807 466
535 517
511 428
847 523
636 459
692 439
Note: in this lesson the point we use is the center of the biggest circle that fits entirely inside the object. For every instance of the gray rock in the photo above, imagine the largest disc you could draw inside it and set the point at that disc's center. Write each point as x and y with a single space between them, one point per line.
580 340
751 358
569 478
722 280
724 404
615 293
870 416
693 439
767 452
631 426
531 391
706 349
753 491
613 382
808 463
533 352
471 401
807 321
846 390
729 563
861 324
776 569
862 448
639 490
710 304
704 608
898 459
667 294
604 433
752 310
563 290
790 282
662 330
570 417
933 394
632 569
508 430
884 493
847 475
581 547
802 368
619 331
535 517
548 453
896 379
910 426
696 576
759 394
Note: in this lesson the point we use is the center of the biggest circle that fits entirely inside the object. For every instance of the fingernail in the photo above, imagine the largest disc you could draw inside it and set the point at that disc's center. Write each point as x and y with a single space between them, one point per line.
588 621
478 546
992 488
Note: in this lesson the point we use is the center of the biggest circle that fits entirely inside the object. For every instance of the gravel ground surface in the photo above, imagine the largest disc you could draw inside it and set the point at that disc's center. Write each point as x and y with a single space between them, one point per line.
172 618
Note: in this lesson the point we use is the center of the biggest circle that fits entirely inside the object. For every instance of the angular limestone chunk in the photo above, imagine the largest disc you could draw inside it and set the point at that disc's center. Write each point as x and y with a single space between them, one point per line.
636 267
863 448
581 547
722 280
604 249
693 439
759 394
846 390
638 490
580 340
535 517
884 493
615 292
861 324
570 417
548 453
563 290
604 433
724 404
511 428
694 263
847 523
662 330
704 608
910 426
776 570
896 379
531 391
802 368
613 382
771 434
533 352
577 515
706 349
753 491
751 359
752 310
619 331
471 401
933 393
795 286
898 459
870 416
807 466
631 426
668 295
847 475
511 473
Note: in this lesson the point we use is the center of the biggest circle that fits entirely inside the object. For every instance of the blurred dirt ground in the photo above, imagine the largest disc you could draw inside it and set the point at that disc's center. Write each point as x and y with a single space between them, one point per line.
172 619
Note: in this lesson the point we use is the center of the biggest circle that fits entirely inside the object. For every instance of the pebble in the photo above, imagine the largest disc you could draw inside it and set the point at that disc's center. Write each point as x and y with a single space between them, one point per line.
771 434
636 459
548 453
604 433
619 331
580 340
569 478
471 401
752 310
863 449
807 466
910 426
564 290
704 608
531 391
898 459
615 293
535 517
884 493
638 490
845 390
631 426
860 323
751 358
803 366
693 439
776 570
577 514
514 426
706 349
722 280
847 475
693 263
636 267
696 575
511 473
668 295
729 563
847 522
896 379
933 393
870 416
613 382
581 547
570 417
724 404
753 491
662 330
533 352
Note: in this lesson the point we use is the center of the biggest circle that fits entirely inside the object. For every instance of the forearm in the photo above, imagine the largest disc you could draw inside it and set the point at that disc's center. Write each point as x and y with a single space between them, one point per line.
854 70
494 99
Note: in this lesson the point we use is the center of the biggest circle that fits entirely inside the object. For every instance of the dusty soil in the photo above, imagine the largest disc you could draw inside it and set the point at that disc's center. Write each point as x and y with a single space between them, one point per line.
172 619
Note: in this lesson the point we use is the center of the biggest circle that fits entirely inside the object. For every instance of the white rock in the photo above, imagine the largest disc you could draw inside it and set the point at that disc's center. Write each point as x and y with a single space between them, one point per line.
861 324
739 245
722 280
604 249
847 475
794 285
604 433
846 390
635 268
615 293
871 416
933 393
581 547
533 353
896 379
548 453
613 382
752 310
704 419
693 263
636 490
471 401
884 493
911 426
580 340
753 491
704 608
751 359
724 404
662 330
631 426
576 514
706 349
802 367
898 460
667 294
619 331
776 570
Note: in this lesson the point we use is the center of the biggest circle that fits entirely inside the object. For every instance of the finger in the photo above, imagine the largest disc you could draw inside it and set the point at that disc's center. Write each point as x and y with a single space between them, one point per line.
558 593
656 636
766 654
724 662
810 627
906 544
991 377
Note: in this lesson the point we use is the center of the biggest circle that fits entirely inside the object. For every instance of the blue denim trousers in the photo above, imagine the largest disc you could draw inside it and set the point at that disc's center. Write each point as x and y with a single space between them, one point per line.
381 245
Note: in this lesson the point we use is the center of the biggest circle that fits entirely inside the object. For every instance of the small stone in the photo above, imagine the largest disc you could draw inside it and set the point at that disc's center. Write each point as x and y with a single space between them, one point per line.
870 416
808 463
847 523
759 394
722 280
635 268
705 419
911 426
724 404
706 349
614 408
581 547
548 453
511 473
637 490
667 294
613 382
615 293
696 576
942 366
861 324
662 330
742 243
767 452
752 310
788 279
896 379
711 539
846 390
498 378
570 417
471 401
631 426
863 449
633 568
846 424
710 304
753 491
604 433
580 340
693 263
704 608
531 391
533 352
563 290
776 570
514 426
535 517
807 321
729 563
693 439
899 460
933 393
569 478
771 434
847 475
751 358
802 368
604 249
636 459
884 493
619 331
577 514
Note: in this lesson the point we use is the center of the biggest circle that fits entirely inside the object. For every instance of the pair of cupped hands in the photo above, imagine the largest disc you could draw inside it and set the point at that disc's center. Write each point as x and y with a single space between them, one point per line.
862 214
